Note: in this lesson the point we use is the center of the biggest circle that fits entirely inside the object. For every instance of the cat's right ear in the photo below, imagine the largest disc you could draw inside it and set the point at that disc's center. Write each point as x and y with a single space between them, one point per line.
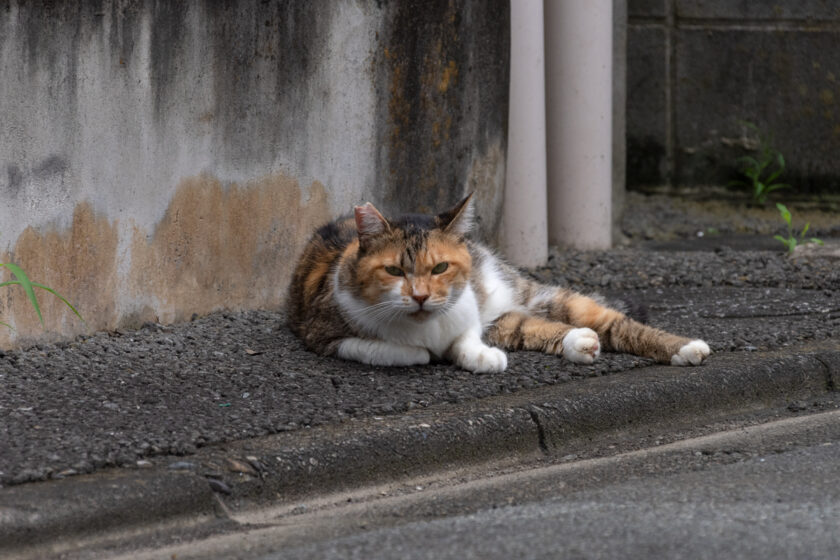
459 220
369 222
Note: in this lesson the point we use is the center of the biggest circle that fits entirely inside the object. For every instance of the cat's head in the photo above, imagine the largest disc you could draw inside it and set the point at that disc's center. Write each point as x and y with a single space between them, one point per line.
415 265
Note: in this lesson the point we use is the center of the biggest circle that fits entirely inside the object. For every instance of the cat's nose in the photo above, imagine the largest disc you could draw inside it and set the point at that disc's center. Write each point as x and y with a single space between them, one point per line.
420 298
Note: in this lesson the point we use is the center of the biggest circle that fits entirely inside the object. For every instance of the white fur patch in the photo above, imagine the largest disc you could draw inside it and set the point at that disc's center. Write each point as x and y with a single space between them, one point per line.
581 346
381 353
541 299
392 324
453 330
500 294
472 354
692 354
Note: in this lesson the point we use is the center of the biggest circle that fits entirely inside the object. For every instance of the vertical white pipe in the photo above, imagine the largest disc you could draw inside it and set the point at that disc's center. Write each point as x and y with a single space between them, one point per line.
578 43
524 217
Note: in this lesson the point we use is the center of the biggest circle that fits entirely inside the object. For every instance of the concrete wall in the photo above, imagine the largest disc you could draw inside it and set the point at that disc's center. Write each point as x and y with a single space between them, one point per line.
698 67
619 116
160 159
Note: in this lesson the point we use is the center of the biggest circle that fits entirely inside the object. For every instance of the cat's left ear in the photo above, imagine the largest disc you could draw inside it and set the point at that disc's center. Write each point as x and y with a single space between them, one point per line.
460 219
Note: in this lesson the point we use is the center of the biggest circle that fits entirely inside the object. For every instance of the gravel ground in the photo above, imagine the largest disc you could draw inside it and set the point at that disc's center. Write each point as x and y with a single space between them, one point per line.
117 399
715 212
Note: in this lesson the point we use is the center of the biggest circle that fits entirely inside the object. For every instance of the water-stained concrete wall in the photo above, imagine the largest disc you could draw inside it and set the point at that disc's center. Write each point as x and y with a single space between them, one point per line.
697 68
160 159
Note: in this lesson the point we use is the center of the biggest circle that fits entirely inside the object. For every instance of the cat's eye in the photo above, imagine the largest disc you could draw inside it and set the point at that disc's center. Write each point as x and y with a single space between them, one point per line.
394 271
440 268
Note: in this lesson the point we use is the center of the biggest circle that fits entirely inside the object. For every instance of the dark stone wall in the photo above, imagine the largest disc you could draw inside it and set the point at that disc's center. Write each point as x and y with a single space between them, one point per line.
442 84
698 69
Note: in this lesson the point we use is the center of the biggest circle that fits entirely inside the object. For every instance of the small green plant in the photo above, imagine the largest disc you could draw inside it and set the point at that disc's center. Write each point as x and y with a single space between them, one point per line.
762 169
792 239
22 280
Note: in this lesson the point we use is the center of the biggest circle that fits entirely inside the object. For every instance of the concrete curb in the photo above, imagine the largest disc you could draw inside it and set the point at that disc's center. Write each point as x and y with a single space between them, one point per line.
85 506
550 420
289 466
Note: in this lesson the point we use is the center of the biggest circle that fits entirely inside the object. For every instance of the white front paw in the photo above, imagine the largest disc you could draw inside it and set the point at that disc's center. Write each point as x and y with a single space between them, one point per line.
581 346
692 354
416 355
482 359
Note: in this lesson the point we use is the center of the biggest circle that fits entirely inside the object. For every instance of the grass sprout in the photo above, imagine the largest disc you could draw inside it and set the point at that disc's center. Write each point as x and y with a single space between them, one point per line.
793 239
22 280
762 170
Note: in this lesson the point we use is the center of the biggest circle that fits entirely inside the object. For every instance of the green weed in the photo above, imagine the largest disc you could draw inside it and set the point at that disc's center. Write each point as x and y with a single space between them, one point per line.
793 239
762 169
22 280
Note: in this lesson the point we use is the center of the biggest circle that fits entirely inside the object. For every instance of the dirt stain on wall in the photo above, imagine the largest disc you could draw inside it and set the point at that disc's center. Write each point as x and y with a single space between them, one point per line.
79 263
218 246
224 246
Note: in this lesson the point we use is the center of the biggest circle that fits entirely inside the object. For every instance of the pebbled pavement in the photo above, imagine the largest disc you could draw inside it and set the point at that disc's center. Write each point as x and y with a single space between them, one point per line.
183 420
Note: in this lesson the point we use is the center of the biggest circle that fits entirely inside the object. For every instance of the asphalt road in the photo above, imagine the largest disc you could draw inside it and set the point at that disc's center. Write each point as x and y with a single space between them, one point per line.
774 506
762 492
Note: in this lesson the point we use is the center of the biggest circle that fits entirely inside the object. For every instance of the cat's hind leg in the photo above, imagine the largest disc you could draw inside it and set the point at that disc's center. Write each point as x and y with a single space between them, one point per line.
520 331
623 334
381 353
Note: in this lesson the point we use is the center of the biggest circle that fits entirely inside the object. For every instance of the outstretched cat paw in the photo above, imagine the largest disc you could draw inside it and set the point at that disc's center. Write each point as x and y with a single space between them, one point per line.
581 346
691 354
483 359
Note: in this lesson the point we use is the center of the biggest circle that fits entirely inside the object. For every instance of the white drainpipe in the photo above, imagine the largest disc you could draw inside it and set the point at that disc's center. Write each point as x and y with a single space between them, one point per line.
525 214
578 58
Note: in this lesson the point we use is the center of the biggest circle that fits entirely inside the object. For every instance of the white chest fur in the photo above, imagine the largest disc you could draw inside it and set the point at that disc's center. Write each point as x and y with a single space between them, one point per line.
436 333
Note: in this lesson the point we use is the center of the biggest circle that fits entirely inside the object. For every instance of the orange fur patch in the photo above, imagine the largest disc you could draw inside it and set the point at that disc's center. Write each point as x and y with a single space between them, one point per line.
351 249
440 249
374 280
516 331
585 312
372 277
313 279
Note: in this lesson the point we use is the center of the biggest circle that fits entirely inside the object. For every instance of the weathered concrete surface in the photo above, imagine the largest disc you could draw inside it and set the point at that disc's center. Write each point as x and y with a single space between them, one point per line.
162 159
215 247
619 115
696 70
278 470
784 81
647 8
765 493
804 10
647 107
50 512
556 421
438 119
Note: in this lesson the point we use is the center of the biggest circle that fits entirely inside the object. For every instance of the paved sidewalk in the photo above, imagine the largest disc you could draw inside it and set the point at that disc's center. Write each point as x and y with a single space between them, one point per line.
230 410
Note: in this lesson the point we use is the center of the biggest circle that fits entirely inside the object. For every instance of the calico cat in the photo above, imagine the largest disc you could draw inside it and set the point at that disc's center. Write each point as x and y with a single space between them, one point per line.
403 291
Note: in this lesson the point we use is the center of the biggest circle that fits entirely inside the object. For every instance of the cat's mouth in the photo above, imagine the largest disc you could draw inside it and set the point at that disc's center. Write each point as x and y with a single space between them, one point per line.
420 315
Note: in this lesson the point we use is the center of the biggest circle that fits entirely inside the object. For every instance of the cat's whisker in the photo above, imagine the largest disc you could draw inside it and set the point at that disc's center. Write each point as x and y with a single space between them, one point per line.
383 311
446 308
375 308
